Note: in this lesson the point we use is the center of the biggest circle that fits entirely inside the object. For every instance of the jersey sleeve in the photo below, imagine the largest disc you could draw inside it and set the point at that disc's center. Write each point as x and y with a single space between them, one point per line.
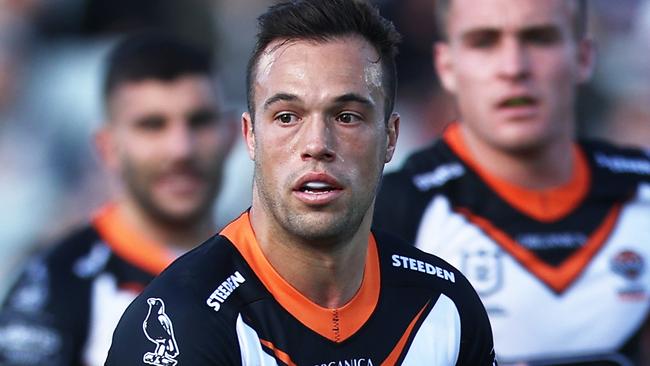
477 343
167 325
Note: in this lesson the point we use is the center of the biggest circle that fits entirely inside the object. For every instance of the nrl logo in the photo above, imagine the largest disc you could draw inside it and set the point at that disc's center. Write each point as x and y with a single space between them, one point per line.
158 328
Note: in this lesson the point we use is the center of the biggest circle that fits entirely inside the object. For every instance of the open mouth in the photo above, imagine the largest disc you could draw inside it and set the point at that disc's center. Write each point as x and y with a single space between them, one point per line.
518 102
316 187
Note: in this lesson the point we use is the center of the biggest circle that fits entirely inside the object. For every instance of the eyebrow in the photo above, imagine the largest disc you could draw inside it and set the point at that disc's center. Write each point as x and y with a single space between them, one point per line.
353 97
345 98
496 32
280 97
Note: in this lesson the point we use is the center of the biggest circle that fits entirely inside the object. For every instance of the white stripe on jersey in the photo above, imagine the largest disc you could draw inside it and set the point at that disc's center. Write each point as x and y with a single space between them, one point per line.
108 303
251 347
437 342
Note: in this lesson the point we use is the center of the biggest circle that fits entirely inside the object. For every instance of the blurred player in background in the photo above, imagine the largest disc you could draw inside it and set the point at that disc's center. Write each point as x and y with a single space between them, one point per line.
552 232
165 139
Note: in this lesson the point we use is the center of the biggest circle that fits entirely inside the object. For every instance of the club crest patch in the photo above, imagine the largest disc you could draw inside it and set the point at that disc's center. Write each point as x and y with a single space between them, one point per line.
158 328
484 270
630 265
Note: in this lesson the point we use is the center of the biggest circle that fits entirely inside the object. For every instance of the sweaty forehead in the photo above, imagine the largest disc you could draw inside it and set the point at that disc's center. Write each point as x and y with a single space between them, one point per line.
344 62
467 15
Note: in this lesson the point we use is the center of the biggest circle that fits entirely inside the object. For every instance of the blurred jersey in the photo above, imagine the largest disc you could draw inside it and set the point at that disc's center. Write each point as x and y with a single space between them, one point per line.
562 273
64 307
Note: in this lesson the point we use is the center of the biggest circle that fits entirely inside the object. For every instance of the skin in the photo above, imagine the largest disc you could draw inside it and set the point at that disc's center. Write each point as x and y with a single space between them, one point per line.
318 115
499 50
167 142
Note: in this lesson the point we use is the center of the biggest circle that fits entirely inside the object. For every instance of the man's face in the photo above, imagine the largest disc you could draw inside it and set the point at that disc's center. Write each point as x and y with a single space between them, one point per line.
513 66
319 139
167 141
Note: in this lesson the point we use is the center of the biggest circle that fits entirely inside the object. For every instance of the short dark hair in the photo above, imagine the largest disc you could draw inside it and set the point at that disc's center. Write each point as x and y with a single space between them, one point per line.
322 21
579 21
153 55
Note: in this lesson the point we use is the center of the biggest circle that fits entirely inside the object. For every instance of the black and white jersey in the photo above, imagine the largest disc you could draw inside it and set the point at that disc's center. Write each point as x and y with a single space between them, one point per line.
65 305
224 304
563 272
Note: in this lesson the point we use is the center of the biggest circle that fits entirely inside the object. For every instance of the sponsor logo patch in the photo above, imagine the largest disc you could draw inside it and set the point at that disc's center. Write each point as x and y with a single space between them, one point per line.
621 164
29 344
225 289
158 328
350 362
424 267
438 177
93 262
33 290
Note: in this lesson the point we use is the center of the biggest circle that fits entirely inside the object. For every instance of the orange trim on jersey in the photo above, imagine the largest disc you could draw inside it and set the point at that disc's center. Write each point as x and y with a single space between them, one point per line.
334 324
394 355
559 278
130 245
279 354
546 205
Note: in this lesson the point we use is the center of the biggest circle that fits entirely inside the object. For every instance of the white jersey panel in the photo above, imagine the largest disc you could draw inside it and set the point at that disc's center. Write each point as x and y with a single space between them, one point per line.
250 346
428 347
615 282
108 304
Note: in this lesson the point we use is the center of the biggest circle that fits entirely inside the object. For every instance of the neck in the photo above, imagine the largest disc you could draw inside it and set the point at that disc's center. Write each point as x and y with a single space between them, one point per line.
178 238
545 166
329 275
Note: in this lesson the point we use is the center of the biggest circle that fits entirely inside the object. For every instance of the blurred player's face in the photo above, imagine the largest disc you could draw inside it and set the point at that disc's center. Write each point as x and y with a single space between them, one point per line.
513 66
167 142
319 139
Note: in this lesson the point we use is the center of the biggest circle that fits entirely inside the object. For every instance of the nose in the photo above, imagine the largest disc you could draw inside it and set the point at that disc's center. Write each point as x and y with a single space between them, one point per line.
514 62
317 137
179 141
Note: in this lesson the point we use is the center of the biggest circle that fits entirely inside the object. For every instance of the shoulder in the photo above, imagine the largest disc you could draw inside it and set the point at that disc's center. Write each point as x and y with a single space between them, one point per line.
48 305
51 269
618 160
618 172
427 168
201 326
405 194
453 297
405 265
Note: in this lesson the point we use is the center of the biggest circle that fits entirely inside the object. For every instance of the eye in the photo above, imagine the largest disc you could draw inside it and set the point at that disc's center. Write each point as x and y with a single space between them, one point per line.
543 36
481 39
150 123
347 117
202 118
286 118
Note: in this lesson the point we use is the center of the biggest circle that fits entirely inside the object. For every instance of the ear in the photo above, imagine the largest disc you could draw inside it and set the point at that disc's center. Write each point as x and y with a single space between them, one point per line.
586 59
104 141
249 134
444 65
393 132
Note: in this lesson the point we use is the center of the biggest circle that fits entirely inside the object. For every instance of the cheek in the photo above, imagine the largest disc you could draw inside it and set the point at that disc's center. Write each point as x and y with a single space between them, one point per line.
211 146
271 157
368 150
